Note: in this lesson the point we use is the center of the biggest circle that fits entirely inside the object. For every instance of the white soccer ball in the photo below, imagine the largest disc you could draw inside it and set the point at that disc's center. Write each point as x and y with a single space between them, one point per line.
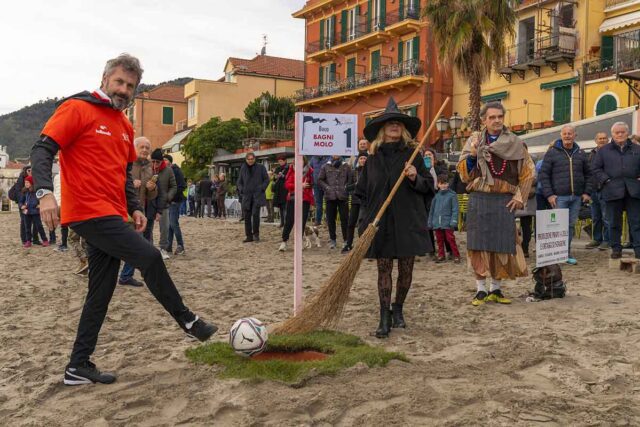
248 336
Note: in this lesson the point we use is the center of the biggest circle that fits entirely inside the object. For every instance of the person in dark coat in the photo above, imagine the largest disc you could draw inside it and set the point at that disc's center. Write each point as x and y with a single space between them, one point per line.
206 194
354 212
617 170
278 188
333 179
252 183
565 177
600 222
402 232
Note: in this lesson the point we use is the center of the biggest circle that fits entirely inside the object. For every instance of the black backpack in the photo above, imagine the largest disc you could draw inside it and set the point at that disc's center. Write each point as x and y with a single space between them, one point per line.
548 282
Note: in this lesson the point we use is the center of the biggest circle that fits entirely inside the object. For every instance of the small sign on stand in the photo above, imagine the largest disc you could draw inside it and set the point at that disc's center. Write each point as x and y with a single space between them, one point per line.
317 134
552 237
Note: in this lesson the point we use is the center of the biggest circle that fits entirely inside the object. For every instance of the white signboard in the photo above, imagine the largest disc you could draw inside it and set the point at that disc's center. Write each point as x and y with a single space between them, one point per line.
322 134
552 237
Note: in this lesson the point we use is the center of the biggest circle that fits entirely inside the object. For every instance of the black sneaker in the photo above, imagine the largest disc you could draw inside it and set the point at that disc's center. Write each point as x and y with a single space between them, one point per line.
179 251
346 248
247 240
131 282
86 374
201 330
256 238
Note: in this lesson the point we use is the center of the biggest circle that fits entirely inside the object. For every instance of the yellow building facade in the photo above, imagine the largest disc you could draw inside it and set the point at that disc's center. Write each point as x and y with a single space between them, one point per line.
563 63
244 81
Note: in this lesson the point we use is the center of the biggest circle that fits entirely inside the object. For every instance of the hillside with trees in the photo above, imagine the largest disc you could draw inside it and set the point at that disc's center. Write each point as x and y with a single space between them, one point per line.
20 129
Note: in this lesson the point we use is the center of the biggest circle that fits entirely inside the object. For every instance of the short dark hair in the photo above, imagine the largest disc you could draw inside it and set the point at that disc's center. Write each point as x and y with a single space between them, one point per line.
443 178
168 157
250 154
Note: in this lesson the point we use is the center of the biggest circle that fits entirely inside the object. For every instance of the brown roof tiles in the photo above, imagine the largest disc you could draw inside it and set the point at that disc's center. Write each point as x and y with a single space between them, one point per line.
269 66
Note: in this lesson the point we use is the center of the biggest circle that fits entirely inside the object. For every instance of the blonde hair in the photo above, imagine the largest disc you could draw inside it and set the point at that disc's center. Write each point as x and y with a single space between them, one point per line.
379 140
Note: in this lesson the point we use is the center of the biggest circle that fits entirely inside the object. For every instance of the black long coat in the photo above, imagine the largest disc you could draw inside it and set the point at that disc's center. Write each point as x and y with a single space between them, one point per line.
279 192
403 228
252 183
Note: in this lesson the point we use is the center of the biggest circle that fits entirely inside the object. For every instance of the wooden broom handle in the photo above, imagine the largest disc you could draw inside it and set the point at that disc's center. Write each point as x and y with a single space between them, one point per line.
411 159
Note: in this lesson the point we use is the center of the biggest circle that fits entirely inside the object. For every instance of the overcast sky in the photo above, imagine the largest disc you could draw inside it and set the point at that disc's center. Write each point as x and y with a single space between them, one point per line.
52 48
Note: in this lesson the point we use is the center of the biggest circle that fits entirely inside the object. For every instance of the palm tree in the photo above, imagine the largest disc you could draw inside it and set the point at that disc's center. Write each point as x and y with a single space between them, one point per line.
471 36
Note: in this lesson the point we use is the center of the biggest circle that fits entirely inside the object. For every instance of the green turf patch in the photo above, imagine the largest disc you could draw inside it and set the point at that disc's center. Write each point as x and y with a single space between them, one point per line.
344 350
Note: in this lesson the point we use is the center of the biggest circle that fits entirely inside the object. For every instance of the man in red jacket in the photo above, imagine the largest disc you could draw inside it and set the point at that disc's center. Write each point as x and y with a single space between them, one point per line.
95 141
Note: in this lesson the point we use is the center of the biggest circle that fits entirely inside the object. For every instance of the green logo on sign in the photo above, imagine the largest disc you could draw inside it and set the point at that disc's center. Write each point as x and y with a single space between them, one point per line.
553 217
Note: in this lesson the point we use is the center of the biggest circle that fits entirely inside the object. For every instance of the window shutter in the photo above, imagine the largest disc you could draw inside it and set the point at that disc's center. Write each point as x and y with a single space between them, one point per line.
351 67
416 48
320 76
167 115
332 31
375 61
400 51
369 15
562 104
343 26
401 9
606 54
606 104
332 73
322 34
383 13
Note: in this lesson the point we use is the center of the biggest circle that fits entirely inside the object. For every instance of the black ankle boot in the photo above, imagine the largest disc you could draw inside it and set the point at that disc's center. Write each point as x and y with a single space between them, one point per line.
385 323
398 318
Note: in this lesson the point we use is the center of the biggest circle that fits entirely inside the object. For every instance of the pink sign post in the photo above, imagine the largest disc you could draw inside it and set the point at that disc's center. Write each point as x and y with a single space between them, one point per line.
298 230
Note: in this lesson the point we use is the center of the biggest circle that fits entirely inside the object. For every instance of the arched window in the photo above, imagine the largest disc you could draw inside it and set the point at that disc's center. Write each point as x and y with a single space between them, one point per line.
606 104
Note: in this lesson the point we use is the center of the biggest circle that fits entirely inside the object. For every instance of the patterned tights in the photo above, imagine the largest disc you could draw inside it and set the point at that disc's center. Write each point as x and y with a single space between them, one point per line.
385 283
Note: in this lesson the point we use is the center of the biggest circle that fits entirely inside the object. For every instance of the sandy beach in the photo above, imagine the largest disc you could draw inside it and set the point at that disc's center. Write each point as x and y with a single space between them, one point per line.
571 361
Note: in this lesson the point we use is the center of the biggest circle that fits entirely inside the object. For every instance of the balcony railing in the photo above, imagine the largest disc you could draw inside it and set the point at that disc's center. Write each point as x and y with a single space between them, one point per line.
535 53
319 45
407 12
385 73
627 51
599 69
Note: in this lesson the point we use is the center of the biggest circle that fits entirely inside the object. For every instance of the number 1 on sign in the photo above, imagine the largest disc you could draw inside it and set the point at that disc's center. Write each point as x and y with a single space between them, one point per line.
348 133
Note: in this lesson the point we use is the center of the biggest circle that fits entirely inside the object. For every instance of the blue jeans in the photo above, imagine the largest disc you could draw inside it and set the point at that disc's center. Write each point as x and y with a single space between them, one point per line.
572 203
174 225
318 195
127 272
183 207
599 218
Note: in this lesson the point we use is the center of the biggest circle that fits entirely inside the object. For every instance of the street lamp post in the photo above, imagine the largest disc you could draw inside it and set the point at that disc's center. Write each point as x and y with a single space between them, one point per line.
264 103
442 124
455 122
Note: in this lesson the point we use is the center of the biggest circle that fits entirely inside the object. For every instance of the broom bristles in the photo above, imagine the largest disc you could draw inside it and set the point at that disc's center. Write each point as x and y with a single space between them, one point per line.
325 307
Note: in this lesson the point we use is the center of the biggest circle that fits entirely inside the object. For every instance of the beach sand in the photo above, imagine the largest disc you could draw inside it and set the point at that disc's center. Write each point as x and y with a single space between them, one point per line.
566 361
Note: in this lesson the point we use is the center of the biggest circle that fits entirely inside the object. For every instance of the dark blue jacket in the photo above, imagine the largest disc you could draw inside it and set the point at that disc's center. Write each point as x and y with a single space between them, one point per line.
33 204
617 170
443 214
565 174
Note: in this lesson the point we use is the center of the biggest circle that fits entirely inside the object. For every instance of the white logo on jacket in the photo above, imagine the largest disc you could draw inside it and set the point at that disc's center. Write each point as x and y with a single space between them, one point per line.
103 130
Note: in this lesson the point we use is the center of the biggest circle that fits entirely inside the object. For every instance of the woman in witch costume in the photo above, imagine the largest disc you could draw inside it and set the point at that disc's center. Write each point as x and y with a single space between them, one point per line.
402 233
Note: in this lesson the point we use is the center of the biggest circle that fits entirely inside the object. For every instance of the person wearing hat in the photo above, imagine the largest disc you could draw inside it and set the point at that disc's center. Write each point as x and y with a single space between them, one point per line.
402 232
354 212
499 172
159 207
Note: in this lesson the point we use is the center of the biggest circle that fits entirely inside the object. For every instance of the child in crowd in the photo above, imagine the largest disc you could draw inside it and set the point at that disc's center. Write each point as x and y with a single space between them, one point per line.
443 218
29 205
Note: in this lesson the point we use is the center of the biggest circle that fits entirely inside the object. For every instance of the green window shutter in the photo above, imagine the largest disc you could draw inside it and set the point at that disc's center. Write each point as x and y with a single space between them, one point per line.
494 97
375 61
606 52
416 48
322 34
606 104
400 51
369 14
343 26
332 31
320 76
401 9
413 111
383 13
332 72
562 104
167 115
560 83
351 67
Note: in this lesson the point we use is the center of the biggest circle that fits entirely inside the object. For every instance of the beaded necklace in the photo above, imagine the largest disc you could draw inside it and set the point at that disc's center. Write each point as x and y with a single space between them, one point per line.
492 166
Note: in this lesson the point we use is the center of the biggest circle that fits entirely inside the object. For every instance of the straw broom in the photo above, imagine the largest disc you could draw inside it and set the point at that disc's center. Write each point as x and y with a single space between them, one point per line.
324 308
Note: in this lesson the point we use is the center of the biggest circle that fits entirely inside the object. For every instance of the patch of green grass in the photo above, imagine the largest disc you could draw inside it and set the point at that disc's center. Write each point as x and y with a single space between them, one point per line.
344 351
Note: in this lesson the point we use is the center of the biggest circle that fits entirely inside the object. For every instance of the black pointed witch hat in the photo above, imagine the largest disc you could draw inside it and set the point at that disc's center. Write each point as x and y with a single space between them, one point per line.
391 113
